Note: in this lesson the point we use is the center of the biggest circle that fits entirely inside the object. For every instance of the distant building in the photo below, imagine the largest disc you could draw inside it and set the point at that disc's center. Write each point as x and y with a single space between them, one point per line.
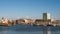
4 21
46 16
56 22
29 21
20 21
39 21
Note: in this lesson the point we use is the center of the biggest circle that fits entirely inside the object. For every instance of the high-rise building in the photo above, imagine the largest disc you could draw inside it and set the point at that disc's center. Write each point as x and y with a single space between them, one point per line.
46 16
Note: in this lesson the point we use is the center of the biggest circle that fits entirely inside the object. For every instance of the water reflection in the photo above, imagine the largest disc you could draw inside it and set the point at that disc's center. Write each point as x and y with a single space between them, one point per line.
23 29
4 32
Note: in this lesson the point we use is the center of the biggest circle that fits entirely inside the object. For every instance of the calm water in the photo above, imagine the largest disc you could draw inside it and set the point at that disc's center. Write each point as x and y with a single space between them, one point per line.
27 29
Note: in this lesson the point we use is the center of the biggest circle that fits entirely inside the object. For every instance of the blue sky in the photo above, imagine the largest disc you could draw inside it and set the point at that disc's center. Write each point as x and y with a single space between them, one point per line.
29 8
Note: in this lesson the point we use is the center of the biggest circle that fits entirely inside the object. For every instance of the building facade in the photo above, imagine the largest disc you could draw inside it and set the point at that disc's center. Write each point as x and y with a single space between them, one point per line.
46 16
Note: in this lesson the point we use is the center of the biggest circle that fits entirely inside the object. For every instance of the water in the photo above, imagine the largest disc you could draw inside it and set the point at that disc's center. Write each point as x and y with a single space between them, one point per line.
27 29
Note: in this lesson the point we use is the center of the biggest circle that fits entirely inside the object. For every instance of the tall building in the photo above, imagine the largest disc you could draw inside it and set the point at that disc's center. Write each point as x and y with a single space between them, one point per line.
46 16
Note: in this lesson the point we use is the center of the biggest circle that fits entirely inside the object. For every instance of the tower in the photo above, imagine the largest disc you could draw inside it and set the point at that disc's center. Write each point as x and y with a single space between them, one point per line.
46 16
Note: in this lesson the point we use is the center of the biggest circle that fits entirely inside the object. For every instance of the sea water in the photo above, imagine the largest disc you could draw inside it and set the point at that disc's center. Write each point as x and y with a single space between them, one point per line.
28 29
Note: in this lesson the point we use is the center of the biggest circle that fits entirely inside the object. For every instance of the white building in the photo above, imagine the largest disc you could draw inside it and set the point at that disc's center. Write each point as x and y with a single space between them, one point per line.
4 21
29 21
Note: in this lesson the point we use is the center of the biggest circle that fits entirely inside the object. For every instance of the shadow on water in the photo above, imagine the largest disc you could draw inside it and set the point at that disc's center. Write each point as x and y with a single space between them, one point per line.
29 28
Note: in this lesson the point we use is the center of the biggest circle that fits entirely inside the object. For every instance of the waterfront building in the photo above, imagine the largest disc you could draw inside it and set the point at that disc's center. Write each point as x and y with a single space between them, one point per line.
47 18
56 23
20 21
29 21
4 21
39 21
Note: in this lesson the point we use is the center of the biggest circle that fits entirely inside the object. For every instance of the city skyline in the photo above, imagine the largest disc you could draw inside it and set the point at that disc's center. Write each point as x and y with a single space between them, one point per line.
29 8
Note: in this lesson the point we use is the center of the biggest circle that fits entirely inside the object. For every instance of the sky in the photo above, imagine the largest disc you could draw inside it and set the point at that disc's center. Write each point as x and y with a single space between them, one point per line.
29 8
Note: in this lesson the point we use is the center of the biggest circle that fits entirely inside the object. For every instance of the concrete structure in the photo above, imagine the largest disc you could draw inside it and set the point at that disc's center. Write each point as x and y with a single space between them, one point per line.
42 22
29 21
56 23
39 21
20 21
46 16
46 19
